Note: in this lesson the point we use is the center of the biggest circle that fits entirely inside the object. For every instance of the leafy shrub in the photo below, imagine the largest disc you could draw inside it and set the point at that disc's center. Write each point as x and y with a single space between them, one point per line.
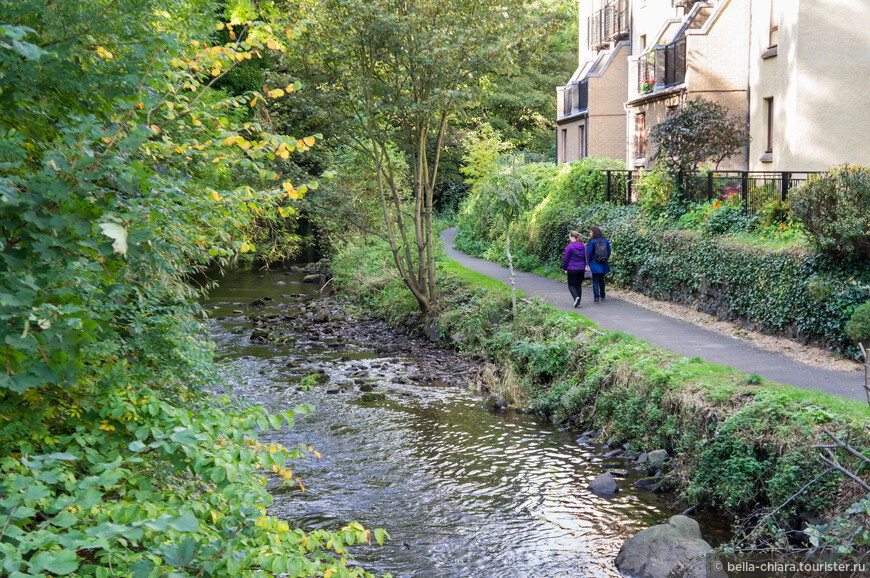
858 327
717 217
773 213
834 209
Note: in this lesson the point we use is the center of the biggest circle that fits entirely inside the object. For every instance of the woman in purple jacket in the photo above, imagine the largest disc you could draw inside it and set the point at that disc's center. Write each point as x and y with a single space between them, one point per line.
574 265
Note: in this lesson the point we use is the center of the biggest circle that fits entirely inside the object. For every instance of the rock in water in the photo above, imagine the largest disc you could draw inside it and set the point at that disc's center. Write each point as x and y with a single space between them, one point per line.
656 551
655 460
320 317
317 278
603 484
372 396
494 402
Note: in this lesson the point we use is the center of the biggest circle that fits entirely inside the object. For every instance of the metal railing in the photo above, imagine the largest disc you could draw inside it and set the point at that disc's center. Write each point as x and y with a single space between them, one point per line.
646 72
752 189
608 23
576 97
675 63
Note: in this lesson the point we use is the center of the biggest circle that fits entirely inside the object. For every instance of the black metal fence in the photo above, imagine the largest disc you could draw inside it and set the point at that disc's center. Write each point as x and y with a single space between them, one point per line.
753 189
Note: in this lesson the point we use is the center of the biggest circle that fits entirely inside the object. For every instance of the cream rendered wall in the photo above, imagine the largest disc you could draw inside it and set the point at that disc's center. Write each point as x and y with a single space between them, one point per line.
648 17
819 82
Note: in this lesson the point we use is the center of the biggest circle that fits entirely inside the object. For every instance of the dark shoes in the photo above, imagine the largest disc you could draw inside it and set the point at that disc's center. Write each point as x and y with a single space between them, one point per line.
576 302
596 301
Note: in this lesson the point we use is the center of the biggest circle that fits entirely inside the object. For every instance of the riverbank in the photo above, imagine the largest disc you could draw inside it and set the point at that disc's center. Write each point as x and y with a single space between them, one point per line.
733 441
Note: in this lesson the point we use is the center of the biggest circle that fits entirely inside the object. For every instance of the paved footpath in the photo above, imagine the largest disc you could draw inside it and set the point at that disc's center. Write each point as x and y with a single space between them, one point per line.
672 334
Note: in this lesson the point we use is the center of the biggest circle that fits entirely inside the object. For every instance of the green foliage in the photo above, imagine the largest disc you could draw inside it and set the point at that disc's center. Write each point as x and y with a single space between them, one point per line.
717 217
124 171
834 210
696 132
858 327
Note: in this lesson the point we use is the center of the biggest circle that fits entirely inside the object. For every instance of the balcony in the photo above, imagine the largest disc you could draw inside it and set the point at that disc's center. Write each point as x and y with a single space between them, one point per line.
662 68
609 23
576 98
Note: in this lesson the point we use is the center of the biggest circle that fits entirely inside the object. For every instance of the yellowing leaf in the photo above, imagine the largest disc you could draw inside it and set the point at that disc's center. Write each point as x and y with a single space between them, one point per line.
289 88
216 196
245 248
288 187
309 141
240 56
155 128
277 93
329 572
284 154
104 54
118 234
220 25
271 45
215 71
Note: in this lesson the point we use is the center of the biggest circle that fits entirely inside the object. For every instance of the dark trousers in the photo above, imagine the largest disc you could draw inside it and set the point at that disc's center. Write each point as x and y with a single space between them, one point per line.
575 283
598 285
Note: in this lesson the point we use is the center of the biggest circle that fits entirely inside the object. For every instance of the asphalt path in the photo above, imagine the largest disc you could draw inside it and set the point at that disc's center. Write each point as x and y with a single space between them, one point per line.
671 334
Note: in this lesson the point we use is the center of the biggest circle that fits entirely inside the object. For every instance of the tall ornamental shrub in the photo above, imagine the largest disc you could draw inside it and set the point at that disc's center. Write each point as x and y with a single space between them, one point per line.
834 209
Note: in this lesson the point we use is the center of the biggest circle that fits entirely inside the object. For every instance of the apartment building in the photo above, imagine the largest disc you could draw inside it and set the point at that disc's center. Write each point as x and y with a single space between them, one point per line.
590 114
809 81
795 70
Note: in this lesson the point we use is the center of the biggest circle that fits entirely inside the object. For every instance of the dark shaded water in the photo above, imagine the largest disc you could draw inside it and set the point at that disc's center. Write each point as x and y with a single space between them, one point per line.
462 492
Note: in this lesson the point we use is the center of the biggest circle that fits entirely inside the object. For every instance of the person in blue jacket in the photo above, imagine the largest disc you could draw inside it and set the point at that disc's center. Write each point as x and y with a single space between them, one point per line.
598 251
574 265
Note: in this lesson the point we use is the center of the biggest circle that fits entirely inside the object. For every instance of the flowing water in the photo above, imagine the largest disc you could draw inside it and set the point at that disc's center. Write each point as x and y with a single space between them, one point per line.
461 492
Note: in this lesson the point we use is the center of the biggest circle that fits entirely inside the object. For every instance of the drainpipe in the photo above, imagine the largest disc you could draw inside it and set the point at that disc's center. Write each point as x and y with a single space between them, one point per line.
556 133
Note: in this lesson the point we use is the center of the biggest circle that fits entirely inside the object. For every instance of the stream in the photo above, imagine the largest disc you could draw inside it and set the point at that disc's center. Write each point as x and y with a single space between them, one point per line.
461 492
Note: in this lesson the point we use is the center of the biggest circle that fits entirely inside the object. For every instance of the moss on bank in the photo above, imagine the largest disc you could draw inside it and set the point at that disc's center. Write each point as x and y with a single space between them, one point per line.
739 443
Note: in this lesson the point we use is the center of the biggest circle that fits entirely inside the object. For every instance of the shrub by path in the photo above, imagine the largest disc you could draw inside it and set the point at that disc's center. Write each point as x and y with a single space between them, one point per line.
672 334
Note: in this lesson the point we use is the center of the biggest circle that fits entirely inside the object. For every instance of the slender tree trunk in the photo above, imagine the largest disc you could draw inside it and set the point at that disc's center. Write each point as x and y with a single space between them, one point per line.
507 249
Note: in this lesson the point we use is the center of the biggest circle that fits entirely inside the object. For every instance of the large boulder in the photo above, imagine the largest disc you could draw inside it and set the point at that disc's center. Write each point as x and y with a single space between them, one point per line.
315 278
656 551
603 484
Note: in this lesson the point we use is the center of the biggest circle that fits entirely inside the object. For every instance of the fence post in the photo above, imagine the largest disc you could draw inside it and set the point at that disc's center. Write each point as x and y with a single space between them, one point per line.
628 182
786 185
710 186
744 191
608 186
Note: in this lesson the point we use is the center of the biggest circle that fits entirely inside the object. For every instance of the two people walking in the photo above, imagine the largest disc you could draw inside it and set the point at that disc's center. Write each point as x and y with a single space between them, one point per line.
579 257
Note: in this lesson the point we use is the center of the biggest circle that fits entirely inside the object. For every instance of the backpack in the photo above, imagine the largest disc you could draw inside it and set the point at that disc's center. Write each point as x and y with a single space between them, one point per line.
600 253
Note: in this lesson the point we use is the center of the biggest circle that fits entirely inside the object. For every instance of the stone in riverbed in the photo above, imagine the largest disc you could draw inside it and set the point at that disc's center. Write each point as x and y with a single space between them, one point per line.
320 317
366 387
372 396
333 389
657 551
655 460
494 402
646 483
316 278
613 454
603 484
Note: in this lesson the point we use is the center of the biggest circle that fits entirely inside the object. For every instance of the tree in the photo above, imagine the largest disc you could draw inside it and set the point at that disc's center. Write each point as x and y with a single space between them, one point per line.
395 73
696 132
509 188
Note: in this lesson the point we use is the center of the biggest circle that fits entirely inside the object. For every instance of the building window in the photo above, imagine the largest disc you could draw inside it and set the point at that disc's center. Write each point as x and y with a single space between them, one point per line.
582 139
768 112
640 135
642 43
772 39
564 145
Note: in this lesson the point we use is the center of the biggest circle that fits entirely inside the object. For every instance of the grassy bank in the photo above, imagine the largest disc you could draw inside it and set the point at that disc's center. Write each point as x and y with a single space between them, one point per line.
738 443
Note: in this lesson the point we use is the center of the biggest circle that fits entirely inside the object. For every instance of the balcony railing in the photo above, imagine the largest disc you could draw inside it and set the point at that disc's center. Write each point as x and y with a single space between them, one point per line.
576 97
675 63
672 68
609 23
646 72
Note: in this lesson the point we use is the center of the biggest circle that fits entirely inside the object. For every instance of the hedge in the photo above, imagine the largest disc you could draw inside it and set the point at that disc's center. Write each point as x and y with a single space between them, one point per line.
802 295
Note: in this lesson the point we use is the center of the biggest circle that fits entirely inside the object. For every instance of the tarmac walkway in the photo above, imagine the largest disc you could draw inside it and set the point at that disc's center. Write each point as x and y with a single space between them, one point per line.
671 334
